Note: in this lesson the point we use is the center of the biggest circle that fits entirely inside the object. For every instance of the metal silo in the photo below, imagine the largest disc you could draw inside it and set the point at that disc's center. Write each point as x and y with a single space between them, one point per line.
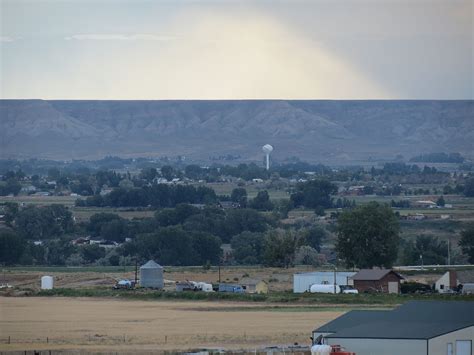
151 275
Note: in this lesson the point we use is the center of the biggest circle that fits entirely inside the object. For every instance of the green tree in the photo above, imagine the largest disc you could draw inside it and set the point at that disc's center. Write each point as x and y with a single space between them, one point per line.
305 255
280 248
314 236
469 188
247 248
467 243
11 247
167 172
44 222
98 220
91 253
440 202
207 248
429 247
314 193
368 236
261 201
148 174
245 219
239 195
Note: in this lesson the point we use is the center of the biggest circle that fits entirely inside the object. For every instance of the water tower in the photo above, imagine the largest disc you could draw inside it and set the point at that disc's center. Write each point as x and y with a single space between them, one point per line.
267 149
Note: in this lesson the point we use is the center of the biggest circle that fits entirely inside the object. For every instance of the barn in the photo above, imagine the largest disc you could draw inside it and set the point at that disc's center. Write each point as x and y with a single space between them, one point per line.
415 328
303 281
377 280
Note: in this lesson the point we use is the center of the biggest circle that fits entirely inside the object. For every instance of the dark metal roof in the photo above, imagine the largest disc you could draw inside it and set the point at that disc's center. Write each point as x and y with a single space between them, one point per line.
372 274
350 319
413 320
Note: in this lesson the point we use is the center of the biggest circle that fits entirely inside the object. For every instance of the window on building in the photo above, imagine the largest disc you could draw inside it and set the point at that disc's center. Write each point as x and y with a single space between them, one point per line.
449 351
441 287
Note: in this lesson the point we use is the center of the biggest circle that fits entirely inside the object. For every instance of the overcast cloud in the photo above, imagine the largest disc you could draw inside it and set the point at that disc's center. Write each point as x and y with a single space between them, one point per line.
338 49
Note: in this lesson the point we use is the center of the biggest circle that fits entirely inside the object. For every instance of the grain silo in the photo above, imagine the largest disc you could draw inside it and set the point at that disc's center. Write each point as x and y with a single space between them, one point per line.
151 275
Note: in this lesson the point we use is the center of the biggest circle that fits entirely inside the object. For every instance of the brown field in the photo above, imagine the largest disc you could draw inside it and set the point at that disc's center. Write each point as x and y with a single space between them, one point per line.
98 325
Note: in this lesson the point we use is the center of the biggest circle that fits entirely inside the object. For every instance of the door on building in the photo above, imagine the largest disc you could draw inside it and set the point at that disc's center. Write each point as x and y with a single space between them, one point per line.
450 349
393 287
463 347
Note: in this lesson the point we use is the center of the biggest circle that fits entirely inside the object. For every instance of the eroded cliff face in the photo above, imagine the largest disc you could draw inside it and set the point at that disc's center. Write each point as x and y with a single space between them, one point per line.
316 130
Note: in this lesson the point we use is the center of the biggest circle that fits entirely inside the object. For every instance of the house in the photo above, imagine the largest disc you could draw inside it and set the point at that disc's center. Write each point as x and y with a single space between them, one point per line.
303 281
255 286
425 204
377 280
228 205
414 328
455 280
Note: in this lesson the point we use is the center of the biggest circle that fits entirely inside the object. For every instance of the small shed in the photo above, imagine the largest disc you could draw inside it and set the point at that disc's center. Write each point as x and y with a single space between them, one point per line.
377 280
185 286
151 275
255 286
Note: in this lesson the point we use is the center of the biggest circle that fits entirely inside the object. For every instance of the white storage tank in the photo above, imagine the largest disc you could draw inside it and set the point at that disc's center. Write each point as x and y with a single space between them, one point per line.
321 350
47 283
151 275
324 289
205 287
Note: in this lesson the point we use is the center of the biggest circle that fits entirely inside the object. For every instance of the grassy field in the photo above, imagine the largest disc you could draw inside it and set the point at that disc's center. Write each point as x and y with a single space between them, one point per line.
225 188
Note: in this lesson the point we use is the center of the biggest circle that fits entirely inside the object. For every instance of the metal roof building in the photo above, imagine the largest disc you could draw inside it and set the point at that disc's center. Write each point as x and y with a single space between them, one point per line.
415 328
303 281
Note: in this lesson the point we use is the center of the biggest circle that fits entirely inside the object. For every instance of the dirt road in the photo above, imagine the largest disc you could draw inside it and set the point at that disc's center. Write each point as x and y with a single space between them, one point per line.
121 325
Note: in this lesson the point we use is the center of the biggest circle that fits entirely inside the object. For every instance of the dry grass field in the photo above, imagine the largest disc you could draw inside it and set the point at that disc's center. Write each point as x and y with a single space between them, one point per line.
106 325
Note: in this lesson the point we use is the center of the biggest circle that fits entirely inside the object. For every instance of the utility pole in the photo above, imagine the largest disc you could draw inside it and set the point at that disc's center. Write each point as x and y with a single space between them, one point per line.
421 258
136 270
335 275
449 252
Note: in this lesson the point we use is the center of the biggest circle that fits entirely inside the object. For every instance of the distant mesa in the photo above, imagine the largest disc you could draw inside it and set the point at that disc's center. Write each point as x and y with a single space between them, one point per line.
322 131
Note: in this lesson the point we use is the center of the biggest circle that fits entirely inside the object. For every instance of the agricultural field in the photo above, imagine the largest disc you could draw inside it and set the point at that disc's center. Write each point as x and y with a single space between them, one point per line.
109 325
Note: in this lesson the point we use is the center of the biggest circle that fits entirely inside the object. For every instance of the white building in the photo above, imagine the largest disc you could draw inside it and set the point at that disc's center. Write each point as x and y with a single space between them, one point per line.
303 281
415 328
452 279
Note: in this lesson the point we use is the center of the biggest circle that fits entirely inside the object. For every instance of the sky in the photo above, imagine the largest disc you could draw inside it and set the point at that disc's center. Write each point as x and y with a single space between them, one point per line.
293 49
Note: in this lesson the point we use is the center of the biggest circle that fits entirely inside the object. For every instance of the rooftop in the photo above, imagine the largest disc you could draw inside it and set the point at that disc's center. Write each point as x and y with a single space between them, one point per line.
413 320
373 274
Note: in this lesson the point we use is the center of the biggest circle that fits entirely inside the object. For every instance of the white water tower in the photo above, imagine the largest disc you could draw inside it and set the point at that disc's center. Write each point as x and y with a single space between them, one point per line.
267 149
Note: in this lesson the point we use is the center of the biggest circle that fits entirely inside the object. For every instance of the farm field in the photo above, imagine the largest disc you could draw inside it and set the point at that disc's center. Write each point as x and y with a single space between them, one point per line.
108 325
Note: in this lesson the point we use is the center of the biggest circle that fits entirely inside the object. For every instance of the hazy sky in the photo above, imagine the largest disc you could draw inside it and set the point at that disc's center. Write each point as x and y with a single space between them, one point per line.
320 49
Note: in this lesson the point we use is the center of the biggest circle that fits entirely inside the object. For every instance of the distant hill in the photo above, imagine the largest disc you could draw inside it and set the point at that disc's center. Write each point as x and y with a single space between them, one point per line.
325 131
